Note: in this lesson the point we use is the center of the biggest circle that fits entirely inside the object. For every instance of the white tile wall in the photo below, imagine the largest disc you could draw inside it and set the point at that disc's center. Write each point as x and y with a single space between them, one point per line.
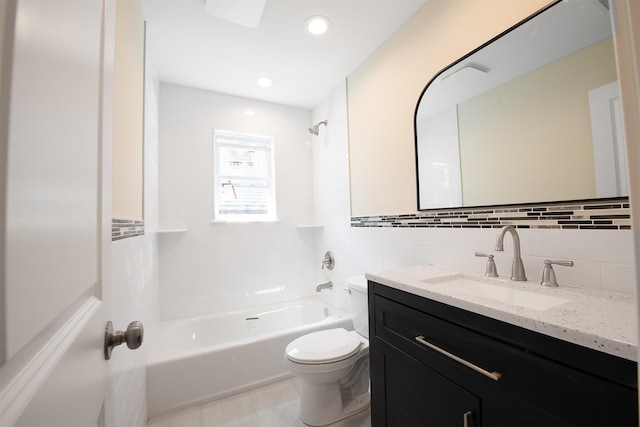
134 277
133 280
219 267
603 258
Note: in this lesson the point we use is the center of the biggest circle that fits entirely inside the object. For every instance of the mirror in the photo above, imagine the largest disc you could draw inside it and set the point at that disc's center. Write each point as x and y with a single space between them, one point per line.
533 116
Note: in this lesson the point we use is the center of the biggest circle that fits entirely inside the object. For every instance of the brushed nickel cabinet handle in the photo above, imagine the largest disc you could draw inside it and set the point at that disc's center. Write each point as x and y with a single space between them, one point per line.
493 375
468 416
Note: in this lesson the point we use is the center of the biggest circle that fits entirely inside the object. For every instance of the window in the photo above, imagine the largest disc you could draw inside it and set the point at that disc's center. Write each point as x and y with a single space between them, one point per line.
243 174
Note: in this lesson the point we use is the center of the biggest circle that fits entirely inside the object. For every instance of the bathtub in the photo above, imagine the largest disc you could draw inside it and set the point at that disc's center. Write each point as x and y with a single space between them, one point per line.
192 361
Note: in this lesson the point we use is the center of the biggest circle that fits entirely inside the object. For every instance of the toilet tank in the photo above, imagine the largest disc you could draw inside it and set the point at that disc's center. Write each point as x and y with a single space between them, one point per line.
358 304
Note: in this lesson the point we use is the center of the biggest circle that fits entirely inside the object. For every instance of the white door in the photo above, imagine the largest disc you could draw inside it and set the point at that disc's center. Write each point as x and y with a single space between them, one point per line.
608 141
55 225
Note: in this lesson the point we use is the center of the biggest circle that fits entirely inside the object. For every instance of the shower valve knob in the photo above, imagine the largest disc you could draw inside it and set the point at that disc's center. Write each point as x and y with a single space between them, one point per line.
329 261
133 336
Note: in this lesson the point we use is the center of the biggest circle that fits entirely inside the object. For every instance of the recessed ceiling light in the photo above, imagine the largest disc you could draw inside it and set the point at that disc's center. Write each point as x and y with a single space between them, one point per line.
318 25
265 82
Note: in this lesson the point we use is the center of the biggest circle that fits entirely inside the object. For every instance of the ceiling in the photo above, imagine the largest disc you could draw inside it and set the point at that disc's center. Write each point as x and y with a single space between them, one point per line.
189 47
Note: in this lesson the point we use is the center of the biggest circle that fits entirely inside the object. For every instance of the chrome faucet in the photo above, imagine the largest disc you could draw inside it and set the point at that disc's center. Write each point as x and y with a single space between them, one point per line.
328 285
517 268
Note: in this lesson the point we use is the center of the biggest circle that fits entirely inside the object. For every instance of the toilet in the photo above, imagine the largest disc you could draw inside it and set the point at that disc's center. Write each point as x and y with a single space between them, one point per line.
333 365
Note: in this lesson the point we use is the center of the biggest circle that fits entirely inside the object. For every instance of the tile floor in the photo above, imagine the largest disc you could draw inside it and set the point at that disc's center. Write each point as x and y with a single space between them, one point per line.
274 405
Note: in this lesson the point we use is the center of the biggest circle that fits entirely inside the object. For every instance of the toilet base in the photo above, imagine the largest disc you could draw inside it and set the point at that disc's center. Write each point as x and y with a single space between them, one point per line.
329 409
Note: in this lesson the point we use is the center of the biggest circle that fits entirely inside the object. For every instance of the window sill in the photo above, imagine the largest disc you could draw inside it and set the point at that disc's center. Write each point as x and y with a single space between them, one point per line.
171 231
251 221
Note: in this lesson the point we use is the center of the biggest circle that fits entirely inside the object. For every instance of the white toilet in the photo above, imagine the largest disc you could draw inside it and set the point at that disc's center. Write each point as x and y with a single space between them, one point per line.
333 365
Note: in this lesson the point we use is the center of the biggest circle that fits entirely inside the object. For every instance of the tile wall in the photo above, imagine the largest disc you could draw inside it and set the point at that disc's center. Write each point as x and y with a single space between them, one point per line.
217 267
134 278
609 214
126 228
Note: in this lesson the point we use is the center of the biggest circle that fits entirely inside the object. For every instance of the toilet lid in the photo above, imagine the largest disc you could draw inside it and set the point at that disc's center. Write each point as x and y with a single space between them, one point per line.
327 346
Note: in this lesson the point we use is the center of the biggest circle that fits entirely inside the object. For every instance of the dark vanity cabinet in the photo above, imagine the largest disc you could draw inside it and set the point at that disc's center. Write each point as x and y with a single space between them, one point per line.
437 365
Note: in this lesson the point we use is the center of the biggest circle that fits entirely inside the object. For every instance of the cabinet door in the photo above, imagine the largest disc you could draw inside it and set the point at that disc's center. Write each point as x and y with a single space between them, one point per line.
408 393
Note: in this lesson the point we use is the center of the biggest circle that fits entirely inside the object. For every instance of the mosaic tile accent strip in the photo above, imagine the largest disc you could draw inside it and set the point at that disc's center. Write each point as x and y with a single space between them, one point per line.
611 214
125 228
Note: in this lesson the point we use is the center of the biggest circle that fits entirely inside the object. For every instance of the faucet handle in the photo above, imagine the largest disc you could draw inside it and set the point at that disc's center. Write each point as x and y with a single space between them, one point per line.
491 270
548 275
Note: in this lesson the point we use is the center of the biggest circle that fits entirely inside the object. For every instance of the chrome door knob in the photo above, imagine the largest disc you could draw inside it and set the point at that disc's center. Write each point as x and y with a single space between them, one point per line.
133 336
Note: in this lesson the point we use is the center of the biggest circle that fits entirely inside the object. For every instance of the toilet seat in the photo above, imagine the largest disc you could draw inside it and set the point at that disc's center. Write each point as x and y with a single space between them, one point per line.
328 346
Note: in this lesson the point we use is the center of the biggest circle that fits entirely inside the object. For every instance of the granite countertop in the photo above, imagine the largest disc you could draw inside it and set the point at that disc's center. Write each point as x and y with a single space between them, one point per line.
599 319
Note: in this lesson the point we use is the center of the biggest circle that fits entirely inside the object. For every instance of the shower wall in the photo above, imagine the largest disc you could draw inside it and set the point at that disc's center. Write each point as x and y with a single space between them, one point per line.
216 267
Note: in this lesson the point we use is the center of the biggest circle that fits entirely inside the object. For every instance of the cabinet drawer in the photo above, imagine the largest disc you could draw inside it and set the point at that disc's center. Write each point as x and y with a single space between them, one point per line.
501 372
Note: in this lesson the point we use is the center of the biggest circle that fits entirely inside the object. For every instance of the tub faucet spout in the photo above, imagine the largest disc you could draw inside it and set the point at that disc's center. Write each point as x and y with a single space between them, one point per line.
328 285
517 268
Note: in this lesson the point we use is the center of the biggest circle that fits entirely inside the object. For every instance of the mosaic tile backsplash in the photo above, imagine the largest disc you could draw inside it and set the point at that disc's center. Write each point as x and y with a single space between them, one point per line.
125 228
610 214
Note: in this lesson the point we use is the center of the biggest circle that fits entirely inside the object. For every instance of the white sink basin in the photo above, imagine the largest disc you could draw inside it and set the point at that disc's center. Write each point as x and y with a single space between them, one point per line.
503 292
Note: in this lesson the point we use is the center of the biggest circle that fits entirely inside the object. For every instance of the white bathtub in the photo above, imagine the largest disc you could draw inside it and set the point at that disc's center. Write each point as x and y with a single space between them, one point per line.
191 361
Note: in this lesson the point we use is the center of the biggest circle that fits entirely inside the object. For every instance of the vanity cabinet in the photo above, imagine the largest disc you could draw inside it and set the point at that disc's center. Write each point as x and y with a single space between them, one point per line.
437 365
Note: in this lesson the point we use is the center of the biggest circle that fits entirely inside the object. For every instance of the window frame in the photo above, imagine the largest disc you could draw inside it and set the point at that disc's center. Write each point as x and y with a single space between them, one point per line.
269 141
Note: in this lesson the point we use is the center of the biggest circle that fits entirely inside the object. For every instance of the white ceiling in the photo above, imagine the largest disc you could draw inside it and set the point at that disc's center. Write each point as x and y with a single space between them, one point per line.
191 48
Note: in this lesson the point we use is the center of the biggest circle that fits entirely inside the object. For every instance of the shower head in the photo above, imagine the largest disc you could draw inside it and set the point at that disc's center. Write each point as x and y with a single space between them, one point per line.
314 130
